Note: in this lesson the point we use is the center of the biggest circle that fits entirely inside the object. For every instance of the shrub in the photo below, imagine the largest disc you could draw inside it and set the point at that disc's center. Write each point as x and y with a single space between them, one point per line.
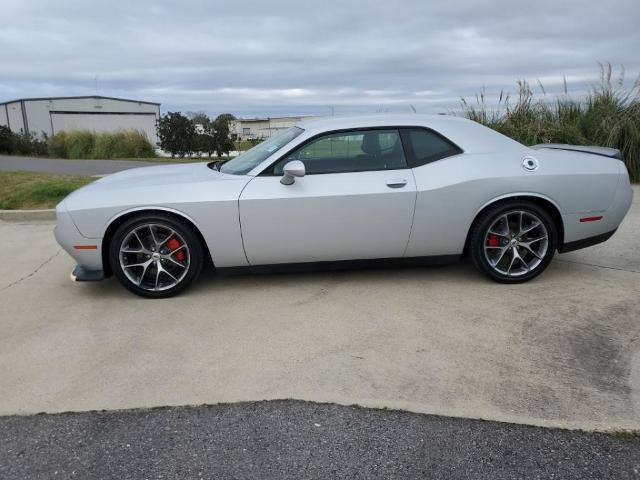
30 144
137 145
104 146
21 143
81 144
7 140
57 145
609 116
123 144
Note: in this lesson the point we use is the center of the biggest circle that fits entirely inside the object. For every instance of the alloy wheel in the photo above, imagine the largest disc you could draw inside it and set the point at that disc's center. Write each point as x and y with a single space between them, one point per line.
154 257
516 243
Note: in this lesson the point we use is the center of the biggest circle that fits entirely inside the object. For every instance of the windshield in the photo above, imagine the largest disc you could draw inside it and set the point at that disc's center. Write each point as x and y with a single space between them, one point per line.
250 159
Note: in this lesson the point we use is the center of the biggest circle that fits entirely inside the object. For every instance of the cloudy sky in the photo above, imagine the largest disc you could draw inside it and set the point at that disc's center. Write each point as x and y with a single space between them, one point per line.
309 57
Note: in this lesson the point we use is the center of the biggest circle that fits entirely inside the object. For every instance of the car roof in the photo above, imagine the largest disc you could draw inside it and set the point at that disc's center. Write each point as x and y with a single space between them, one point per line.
377 120
467 134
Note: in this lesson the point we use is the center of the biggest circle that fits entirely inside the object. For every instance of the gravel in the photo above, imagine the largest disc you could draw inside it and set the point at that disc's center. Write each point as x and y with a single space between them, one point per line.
293 439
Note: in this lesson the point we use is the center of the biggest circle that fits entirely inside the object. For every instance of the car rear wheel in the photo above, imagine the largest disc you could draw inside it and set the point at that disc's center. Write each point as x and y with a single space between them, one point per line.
155 255
513 242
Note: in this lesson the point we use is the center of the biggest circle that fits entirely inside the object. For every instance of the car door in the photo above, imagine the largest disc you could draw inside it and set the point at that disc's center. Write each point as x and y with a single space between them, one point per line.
356 201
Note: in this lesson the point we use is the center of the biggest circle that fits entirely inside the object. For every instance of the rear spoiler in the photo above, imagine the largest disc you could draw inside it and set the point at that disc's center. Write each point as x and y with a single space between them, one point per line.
602 151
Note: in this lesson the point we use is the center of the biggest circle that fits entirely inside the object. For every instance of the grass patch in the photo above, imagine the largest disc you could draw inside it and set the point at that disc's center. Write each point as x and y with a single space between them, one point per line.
29 190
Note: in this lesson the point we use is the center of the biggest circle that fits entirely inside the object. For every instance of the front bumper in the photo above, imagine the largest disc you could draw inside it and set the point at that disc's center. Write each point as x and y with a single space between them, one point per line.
87 252
81 274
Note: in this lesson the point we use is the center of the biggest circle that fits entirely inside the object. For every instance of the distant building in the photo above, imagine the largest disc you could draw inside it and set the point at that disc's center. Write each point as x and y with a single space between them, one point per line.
101 114
260 128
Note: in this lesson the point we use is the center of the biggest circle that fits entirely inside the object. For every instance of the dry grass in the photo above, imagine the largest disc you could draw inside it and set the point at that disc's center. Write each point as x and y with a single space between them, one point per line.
609 116
85 144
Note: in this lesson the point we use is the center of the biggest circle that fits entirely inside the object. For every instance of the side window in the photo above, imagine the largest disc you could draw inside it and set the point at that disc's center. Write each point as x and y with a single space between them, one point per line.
427 146
354 151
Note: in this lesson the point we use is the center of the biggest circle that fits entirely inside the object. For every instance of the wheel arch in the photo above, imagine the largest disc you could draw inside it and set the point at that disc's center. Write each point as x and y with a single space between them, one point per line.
541 201
115 222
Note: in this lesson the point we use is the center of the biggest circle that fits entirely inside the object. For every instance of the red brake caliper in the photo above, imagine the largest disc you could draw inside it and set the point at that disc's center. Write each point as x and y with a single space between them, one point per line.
173 244
493 241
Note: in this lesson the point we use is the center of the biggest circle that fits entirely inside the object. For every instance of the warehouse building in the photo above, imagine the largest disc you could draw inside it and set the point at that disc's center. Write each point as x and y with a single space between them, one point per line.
101 114
261 128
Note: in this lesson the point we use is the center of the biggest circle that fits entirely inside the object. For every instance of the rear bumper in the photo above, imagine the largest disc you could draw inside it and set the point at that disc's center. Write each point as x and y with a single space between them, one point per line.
579 233
586 242
81 274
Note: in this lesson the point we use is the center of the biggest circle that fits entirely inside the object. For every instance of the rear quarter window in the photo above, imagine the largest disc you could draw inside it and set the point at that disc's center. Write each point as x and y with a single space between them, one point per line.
426 146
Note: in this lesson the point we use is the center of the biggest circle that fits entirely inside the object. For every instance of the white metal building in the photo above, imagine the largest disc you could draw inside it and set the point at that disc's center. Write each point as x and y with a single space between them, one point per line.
101 114
260 128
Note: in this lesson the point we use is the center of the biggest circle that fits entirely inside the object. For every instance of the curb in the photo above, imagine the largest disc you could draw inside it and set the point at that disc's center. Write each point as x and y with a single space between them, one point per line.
27 215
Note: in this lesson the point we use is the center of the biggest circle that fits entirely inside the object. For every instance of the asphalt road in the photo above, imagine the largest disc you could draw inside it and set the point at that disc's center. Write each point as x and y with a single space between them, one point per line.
560 351
298 440
69 167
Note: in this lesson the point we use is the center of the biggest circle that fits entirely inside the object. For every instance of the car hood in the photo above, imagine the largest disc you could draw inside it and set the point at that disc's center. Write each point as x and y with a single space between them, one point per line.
163 185
160 175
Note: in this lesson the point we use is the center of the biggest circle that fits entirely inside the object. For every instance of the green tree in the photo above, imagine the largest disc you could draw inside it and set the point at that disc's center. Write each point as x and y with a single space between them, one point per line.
198 117
206 140
223 141
226 116
177 134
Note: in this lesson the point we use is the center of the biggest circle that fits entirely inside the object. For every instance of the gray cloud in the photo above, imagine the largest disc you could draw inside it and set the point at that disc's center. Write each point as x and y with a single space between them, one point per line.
273 57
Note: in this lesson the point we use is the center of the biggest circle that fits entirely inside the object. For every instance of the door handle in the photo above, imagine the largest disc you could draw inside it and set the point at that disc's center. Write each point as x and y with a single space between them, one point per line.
398 183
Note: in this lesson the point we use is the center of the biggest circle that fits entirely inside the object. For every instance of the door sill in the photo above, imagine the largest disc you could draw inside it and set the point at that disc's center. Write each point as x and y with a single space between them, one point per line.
362 264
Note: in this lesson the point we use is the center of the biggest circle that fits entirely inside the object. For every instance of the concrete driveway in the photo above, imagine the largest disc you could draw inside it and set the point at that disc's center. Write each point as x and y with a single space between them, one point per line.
562 350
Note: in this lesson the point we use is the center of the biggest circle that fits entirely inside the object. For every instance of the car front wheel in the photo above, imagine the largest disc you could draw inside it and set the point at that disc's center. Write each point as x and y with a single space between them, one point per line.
155 255
513 242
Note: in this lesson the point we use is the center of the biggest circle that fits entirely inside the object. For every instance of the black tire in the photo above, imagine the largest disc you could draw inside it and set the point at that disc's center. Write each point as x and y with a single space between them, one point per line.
479 235
182 228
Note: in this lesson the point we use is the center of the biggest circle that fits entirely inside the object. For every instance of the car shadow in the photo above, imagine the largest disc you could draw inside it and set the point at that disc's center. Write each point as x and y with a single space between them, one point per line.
245 280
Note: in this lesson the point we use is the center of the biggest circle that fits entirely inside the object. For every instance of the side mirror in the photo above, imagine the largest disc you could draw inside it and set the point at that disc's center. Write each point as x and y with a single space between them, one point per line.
292 169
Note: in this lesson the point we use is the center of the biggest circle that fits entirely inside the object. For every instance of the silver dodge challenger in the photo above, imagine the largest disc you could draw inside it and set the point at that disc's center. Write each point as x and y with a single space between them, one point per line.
345 191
